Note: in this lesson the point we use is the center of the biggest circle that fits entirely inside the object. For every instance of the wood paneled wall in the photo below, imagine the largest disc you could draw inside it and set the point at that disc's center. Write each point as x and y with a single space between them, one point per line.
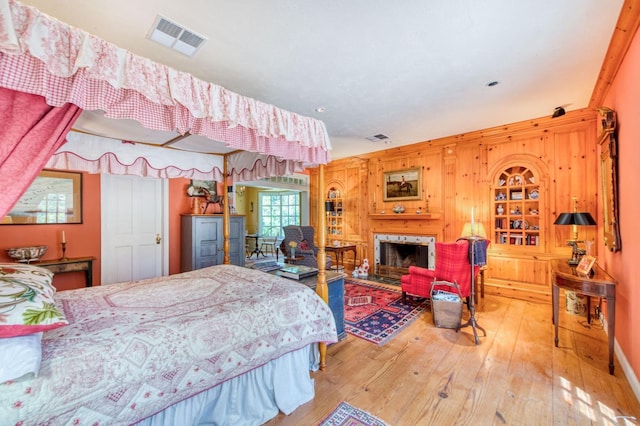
458 173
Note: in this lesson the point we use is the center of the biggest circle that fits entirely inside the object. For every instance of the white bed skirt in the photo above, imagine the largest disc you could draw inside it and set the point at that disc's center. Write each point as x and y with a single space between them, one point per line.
250 399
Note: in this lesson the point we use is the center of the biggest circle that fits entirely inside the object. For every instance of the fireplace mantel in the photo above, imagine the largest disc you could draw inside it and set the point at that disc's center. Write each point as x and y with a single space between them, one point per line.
405 216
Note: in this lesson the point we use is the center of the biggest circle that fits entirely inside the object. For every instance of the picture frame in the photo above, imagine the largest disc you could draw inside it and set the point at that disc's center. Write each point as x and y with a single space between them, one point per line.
195 188
54 197
401 185
609 180
585 265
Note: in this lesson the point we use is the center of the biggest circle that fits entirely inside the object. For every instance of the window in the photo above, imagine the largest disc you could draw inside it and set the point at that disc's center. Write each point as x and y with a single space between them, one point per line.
278 209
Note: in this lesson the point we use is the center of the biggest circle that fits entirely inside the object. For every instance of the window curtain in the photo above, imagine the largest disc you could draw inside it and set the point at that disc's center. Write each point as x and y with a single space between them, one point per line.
30 133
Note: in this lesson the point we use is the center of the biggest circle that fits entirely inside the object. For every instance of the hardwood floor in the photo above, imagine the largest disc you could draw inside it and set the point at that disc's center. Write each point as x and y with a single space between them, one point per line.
434 376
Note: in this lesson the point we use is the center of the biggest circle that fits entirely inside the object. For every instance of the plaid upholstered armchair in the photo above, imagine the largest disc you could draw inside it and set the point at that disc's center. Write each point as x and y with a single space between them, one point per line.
452 264
303 235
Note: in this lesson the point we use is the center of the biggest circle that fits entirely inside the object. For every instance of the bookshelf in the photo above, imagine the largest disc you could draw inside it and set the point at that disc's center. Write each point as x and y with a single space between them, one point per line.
334 219
516 208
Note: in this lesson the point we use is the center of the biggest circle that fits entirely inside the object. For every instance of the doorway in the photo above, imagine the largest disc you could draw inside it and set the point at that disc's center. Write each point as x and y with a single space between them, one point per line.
134 228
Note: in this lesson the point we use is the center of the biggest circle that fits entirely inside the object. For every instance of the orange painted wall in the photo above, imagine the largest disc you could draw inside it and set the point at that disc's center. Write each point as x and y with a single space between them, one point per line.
84 239
624 98
179 203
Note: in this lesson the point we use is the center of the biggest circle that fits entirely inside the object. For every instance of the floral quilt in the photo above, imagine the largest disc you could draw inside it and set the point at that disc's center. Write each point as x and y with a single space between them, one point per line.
132 349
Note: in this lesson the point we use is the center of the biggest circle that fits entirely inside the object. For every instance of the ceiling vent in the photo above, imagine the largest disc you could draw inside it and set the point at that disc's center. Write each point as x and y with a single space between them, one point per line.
175 36
379 138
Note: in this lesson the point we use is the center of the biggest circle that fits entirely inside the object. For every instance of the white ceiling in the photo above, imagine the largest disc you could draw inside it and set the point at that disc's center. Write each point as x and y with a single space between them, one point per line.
413 70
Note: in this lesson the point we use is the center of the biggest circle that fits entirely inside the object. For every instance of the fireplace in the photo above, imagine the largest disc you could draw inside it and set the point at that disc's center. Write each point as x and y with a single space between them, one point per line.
393 254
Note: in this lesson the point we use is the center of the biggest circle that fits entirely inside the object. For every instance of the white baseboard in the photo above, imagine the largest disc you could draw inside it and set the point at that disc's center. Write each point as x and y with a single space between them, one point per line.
628 371
626 367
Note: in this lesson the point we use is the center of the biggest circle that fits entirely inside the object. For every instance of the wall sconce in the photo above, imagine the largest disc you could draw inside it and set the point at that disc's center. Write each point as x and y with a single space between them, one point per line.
574 219
241 190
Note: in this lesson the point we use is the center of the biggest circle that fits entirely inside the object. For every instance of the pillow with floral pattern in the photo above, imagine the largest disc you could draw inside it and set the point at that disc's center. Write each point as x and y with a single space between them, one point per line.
26 301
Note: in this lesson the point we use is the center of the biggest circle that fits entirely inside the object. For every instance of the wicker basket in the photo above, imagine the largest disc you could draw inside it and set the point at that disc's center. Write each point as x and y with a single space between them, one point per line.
446 305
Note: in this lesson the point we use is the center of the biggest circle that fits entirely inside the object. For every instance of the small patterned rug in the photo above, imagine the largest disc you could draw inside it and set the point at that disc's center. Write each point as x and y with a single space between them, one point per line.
348 415
378 314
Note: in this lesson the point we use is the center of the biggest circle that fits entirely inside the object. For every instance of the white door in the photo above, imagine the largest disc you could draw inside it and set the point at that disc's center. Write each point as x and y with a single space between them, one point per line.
134 228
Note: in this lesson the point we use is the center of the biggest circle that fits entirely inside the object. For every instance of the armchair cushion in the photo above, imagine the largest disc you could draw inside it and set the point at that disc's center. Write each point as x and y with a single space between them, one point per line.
452 264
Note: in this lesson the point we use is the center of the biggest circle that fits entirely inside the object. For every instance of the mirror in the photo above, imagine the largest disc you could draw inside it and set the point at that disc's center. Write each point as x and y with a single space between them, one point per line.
53 197
609 175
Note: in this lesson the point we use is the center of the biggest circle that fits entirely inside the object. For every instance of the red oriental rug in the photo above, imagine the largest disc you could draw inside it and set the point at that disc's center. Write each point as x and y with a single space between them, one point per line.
376 313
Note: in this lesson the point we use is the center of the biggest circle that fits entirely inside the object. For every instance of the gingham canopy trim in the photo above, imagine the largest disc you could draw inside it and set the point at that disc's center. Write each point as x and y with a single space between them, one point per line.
41 55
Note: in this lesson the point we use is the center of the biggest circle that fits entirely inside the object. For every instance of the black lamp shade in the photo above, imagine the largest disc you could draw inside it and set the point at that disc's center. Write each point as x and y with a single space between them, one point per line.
329 206
575 218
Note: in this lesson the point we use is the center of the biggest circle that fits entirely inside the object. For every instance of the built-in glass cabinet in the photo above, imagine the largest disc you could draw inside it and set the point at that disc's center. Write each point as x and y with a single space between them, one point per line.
516 208
333 209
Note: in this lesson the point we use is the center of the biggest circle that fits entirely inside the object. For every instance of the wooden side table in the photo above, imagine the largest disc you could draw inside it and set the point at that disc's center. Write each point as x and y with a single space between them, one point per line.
481 282
293 260
60 266
339 253
600 284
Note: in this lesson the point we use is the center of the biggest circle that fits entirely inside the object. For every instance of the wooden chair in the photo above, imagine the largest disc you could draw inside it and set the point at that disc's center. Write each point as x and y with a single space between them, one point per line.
269 245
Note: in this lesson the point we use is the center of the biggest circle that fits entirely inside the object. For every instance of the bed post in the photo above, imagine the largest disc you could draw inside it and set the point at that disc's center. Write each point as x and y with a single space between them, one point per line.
322 289
226 208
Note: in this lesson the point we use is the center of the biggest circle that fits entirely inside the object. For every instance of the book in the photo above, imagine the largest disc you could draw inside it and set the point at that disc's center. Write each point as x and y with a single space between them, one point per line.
585 265
297 272
267 266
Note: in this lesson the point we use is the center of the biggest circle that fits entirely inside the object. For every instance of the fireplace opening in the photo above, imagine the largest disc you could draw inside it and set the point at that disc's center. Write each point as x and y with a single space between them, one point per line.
394 254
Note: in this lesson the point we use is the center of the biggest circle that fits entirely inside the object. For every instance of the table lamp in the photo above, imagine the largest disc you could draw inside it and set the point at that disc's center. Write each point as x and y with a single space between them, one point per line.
475 229
574 219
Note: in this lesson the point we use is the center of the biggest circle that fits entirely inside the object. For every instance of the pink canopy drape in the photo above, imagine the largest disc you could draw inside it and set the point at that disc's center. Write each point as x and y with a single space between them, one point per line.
30 133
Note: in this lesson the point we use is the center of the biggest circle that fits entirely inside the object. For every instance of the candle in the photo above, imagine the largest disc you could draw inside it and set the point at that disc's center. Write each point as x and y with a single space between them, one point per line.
64 237
472 221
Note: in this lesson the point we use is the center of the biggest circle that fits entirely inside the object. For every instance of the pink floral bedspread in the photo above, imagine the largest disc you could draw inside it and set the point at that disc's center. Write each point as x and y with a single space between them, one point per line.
132 349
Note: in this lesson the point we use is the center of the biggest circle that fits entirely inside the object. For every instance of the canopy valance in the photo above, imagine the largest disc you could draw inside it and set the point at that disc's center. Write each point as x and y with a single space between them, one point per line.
96 154
41 55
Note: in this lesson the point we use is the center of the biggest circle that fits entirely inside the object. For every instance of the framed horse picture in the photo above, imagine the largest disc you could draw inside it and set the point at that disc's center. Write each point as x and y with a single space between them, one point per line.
402 185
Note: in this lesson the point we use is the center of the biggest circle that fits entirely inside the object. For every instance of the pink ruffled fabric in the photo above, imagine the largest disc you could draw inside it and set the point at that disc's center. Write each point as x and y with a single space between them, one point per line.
44 56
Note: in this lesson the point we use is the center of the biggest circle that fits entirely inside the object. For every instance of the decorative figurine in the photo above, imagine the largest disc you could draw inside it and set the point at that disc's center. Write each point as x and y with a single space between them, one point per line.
398 208
363 270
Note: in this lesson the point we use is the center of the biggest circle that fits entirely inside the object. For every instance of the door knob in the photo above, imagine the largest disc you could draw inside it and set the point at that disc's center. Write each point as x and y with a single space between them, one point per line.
158 238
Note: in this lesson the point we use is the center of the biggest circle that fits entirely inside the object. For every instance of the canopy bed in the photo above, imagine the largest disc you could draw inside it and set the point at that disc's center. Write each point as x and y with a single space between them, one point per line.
50 74
121 353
